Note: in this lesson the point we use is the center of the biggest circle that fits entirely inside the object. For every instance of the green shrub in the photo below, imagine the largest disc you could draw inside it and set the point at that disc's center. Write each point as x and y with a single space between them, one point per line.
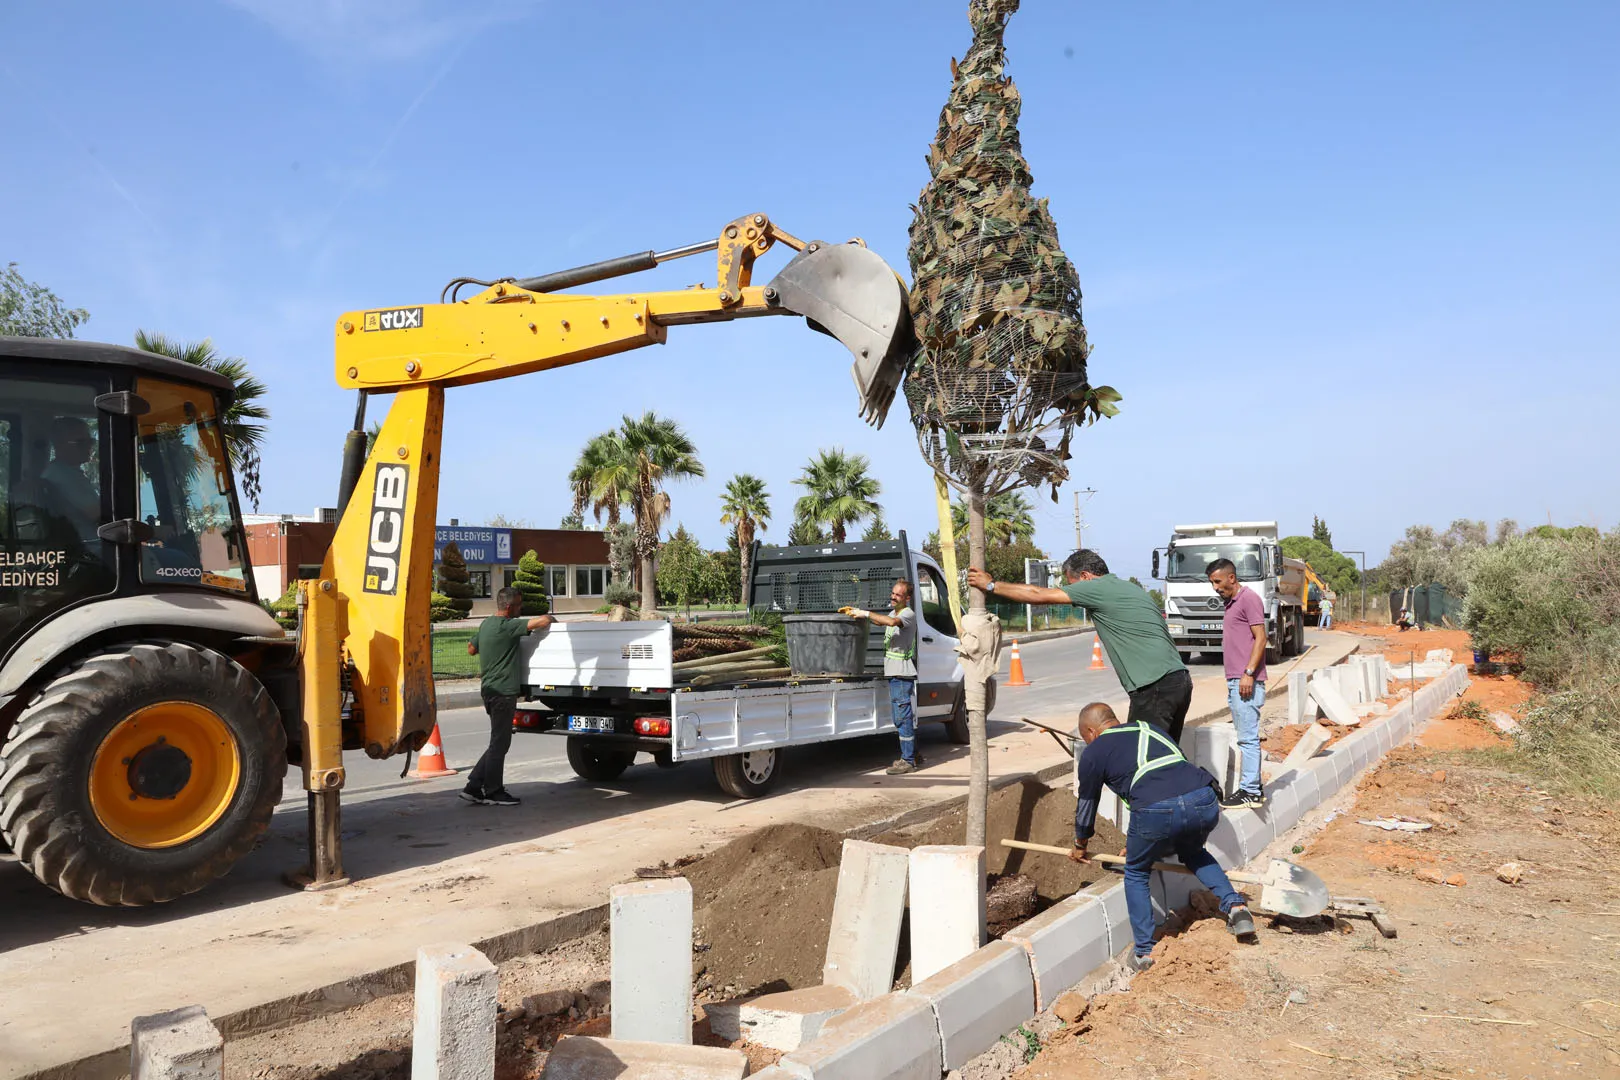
619 594
454 583
441 608
285 607
530 580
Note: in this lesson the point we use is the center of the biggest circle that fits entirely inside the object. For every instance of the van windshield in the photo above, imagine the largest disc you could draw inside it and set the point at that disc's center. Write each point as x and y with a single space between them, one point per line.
1190 562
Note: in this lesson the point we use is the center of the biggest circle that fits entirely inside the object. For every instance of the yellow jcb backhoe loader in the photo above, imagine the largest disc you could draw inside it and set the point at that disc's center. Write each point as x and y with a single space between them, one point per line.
149 706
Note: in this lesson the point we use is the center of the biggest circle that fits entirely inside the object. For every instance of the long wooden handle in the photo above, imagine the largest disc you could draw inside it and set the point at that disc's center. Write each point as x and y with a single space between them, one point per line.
1119 860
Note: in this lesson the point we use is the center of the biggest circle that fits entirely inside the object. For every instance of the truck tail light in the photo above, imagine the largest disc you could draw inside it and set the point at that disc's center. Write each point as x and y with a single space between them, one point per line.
652 725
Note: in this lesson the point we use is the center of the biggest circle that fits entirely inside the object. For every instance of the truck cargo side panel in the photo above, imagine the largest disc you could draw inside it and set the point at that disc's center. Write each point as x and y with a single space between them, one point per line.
713 723
634 655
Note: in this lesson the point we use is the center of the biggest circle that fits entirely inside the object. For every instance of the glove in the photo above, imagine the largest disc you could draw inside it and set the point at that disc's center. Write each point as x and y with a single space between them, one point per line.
855 612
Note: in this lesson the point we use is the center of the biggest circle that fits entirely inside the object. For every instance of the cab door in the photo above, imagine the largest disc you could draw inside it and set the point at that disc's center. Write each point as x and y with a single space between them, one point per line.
938 671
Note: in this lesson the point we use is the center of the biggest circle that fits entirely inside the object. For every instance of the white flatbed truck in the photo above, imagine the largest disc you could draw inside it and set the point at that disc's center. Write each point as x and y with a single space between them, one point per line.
612 690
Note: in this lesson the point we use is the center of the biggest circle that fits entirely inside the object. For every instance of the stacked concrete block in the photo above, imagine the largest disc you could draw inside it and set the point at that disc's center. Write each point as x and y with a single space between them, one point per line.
582 1057
782 1021
454 1036
947 906
864 938
1063 943
650 923
893 1037
182 1044
1301 709
979 999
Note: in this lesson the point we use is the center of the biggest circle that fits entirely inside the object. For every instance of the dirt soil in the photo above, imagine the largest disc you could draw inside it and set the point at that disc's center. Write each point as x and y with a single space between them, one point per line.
1486 978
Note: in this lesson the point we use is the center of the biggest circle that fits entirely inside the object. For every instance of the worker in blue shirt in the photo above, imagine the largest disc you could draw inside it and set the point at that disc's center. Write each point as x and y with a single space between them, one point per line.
1174 807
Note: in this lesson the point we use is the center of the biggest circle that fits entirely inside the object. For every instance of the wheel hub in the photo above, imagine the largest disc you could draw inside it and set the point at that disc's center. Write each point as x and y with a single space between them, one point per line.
757 765
159 771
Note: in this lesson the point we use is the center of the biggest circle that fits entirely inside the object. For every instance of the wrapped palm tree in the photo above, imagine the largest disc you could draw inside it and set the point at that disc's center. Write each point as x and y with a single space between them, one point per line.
1000 382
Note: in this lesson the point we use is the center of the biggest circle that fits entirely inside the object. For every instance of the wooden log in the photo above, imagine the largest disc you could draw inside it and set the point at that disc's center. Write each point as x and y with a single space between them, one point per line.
745 654
747 676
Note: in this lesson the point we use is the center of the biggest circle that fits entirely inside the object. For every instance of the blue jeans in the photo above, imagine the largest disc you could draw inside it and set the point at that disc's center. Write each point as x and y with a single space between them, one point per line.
1246 718
1324 621
905 718
1179 825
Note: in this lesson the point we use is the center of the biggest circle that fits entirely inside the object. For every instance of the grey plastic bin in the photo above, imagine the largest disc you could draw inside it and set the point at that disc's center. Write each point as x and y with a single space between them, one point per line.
826 644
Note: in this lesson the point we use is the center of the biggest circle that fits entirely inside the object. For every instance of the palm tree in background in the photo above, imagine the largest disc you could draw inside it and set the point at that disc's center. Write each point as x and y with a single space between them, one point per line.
659 451
838 491
1008 518
603 478
747 505
244 436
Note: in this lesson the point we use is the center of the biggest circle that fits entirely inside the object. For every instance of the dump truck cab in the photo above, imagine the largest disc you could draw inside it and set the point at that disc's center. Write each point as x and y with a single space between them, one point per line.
122 550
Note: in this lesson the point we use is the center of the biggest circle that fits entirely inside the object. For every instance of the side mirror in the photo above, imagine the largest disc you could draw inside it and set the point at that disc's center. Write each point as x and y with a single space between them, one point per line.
1155 563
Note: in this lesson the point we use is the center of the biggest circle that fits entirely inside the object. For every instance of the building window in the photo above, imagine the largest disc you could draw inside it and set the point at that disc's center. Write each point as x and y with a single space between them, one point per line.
590 580
479 579
557 581
509 577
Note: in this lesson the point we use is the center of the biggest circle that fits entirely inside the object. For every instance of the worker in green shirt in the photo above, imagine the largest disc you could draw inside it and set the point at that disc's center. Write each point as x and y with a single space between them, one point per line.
500 668
1131 629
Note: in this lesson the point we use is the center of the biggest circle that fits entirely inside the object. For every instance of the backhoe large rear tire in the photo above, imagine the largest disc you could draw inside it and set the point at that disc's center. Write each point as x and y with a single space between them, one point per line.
142 774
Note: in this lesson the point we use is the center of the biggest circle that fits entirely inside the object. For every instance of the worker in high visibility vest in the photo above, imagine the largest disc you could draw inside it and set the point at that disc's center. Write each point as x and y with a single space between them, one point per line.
900 667
1174 807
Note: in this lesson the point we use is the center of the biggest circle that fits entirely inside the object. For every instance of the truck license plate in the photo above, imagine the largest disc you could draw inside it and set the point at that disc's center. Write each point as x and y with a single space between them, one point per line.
590 723
1212 626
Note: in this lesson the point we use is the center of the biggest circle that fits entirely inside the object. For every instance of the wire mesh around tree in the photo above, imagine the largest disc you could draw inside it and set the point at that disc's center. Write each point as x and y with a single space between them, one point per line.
1000 381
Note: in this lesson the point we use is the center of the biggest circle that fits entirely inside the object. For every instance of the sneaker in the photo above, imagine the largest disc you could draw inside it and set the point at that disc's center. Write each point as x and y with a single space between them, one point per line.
900 768
472 795
501 798
1240 922
1255 799
1243 800
1140 964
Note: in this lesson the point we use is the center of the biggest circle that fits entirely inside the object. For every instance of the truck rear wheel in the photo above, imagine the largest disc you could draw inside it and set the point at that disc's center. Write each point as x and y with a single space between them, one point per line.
748 776
142 774
956 726
595 761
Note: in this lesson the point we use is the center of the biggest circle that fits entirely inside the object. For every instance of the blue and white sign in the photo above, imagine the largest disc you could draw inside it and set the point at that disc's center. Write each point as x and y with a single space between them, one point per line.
479 546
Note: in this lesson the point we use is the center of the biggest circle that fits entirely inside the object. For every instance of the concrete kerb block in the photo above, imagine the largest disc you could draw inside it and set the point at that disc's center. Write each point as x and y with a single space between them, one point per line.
1327 778
1281 810
583 1057
1118 915
181 1044
1299 701
1254 832
1063 943
1223 843
864 938
1314 738
782 1021
947 906
1169 891
650 924
1338 710
454 1035
978 999
893 1037
1307 793
1383 737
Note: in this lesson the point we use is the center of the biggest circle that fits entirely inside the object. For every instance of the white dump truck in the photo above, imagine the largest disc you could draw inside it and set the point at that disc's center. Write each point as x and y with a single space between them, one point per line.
1192 608
613 689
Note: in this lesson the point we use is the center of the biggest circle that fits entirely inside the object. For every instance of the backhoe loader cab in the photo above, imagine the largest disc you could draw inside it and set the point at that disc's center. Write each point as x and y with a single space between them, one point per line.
141 749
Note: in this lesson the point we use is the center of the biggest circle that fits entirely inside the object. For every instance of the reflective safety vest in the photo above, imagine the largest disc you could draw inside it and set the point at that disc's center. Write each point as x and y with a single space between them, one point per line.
1147 734
892 653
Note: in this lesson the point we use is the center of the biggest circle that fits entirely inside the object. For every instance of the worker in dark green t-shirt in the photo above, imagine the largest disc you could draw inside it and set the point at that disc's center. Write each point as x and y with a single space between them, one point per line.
500 667
1131 628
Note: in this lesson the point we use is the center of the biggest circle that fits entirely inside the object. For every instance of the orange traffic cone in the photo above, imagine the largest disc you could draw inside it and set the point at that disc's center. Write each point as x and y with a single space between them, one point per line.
1096 656
431 764
1015 674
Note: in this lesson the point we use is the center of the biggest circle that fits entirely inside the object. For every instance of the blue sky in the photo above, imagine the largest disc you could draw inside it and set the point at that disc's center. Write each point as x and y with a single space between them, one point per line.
1357 261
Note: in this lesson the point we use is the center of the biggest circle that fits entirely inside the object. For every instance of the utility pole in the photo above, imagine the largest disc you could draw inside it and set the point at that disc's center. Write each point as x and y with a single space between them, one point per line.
1079 521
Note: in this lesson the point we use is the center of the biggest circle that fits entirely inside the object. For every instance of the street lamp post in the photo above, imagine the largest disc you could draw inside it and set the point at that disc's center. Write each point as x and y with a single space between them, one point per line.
1363 555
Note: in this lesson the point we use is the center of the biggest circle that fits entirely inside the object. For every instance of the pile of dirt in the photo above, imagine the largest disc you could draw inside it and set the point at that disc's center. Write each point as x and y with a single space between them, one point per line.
762 907
1029 811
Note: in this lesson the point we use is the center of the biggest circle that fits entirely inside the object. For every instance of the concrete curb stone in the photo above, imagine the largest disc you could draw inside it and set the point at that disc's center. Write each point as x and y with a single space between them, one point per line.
978 999
1063 943
893 1037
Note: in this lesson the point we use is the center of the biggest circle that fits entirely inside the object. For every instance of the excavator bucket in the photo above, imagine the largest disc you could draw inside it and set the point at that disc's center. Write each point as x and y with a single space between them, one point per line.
850 293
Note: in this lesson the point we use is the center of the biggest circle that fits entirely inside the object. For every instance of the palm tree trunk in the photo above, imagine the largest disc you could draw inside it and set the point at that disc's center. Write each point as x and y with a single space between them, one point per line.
978 740
745 543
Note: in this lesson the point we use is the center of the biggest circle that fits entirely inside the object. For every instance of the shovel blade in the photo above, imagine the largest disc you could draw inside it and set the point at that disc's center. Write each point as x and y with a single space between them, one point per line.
1289 889
850 293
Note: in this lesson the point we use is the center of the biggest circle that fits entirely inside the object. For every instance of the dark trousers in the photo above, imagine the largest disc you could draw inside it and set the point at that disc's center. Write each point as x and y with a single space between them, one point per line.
1164 703
1180 824
489 775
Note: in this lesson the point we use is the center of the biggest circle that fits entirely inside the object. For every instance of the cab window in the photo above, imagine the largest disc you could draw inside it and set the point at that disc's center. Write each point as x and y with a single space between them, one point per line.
933 599
185 491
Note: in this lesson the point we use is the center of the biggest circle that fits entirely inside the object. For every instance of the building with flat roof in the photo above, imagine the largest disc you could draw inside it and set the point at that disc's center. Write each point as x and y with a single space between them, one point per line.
287 548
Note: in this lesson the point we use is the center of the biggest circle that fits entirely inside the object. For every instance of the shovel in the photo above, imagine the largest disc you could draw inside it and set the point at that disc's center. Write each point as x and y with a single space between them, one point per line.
1285 888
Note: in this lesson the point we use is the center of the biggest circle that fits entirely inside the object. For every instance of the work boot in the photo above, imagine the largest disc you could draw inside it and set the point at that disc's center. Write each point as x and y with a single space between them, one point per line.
1140 963
1240 922
471 794
900 768
500 798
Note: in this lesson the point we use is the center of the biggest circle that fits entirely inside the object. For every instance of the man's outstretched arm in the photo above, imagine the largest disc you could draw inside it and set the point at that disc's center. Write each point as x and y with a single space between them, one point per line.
1016 593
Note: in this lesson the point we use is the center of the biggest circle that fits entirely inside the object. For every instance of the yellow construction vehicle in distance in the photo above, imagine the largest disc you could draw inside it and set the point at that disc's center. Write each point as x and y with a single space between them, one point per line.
149 707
